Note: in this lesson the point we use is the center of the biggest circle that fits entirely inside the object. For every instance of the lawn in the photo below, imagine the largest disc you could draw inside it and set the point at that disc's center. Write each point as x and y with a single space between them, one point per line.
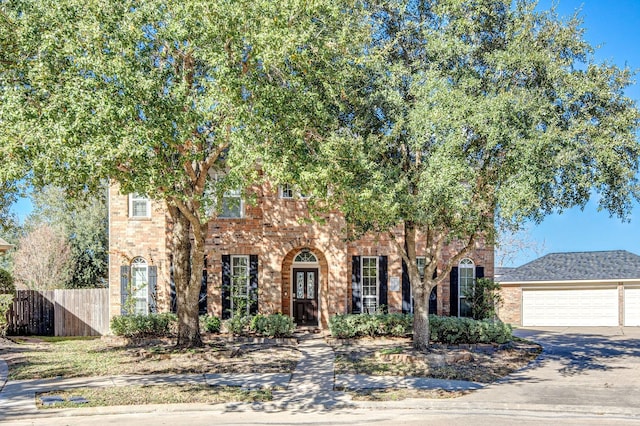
42 357
45 357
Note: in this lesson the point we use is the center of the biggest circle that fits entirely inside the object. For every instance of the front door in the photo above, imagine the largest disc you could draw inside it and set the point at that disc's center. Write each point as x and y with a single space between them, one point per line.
305 296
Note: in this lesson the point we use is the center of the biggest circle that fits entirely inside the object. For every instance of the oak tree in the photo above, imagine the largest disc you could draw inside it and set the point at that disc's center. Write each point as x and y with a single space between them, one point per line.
180 100
478 116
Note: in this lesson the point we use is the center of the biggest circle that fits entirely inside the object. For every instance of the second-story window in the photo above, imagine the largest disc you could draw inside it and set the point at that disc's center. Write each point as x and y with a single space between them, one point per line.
286 191
139 206
232 205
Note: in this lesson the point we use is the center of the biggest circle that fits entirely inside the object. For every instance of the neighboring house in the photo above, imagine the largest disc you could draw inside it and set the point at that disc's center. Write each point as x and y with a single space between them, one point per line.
5 246
600 288
268 256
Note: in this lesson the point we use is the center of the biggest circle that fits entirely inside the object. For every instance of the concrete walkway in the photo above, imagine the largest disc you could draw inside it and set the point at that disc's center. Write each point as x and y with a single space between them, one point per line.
311 386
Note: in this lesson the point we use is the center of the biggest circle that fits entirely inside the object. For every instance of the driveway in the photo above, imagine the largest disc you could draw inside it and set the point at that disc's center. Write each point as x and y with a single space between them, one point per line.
581 368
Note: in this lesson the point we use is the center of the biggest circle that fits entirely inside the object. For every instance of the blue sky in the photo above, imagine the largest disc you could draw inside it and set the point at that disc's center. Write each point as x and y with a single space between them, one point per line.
612 25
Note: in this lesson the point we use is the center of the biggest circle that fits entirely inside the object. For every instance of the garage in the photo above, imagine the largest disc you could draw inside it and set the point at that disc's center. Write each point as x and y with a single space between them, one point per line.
597 288
632 306
570 307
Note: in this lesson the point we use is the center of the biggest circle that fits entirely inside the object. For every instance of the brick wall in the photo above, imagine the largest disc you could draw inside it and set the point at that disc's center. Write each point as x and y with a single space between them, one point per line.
276 230
511 309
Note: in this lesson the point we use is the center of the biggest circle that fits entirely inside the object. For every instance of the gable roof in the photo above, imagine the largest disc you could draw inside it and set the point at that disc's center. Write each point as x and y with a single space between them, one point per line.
578 266
4 246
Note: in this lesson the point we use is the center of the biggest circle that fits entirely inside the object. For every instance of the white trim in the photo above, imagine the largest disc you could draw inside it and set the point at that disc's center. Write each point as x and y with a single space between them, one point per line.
248 287
305 265
468 264
377 285
525 283
134 197
232 194
141 264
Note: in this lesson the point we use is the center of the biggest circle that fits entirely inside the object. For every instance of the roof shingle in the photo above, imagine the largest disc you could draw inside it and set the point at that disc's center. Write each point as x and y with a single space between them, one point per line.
577 266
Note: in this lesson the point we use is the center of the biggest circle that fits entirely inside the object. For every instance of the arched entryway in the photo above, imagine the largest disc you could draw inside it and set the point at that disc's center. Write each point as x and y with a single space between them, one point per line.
304 274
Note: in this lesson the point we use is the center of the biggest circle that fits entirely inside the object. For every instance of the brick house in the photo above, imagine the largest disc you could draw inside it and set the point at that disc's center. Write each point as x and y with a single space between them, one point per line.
272 254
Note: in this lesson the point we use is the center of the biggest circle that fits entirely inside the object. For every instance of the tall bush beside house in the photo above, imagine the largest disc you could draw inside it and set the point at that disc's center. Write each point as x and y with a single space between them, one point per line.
484 298
7 292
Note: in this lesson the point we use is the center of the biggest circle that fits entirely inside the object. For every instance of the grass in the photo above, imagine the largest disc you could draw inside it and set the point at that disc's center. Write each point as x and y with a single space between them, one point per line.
378 357
155 394
37 358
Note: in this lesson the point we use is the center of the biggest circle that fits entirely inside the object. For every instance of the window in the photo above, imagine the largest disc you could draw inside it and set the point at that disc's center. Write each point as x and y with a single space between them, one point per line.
421 261
139 206
289 191
305 257
232 205
240 284
286 191
369 284
466 280
139 286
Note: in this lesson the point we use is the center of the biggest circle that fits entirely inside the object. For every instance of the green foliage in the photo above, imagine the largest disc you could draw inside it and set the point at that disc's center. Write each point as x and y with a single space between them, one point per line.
346 326
7 286
274 325
137 326
449 330
478 116
161 96
238 325
210 324
484 297
6 300
454 330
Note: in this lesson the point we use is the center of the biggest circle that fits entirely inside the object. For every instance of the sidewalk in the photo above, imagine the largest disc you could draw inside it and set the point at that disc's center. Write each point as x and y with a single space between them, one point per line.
310 387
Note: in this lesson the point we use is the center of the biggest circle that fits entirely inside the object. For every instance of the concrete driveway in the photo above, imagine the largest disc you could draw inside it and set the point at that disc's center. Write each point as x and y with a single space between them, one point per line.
594 369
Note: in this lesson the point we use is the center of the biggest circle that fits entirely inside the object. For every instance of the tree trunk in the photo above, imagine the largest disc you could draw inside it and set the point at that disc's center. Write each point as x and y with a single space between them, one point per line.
421 332
421 289
185 266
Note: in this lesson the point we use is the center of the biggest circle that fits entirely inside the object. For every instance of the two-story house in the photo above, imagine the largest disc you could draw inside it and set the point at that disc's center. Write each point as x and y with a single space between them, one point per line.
268 256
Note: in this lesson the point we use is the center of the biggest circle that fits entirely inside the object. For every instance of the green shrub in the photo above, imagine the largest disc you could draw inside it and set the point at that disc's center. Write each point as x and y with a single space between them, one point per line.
274 325
448 330
484 297
454 330
357 325
210 324
136 326
238 325
7 285
6 300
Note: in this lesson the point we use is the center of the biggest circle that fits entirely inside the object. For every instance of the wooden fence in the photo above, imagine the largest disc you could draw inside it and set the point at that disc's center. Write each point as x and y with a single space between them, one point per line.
82 312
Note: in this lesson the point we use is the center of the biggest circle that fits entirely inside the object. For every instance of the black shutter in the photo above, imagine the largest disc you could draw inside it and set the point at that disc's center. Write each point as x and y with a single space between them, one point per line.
453 292
406 289
172 289
356 292
479 271
202 296
226 286
124 288
253 284
153 283
433 301
383 284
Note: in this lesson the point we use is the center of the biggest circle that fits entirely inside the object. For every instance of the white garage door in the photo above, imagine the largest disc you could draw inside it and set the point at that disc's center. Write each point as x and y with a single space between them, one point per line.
632 306
591 307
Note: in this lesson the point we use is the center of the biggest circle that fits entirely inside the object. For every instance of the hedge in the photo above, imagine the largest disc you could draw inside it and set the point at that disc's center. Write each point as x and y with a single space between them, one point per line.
354 325
448 330
151 325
